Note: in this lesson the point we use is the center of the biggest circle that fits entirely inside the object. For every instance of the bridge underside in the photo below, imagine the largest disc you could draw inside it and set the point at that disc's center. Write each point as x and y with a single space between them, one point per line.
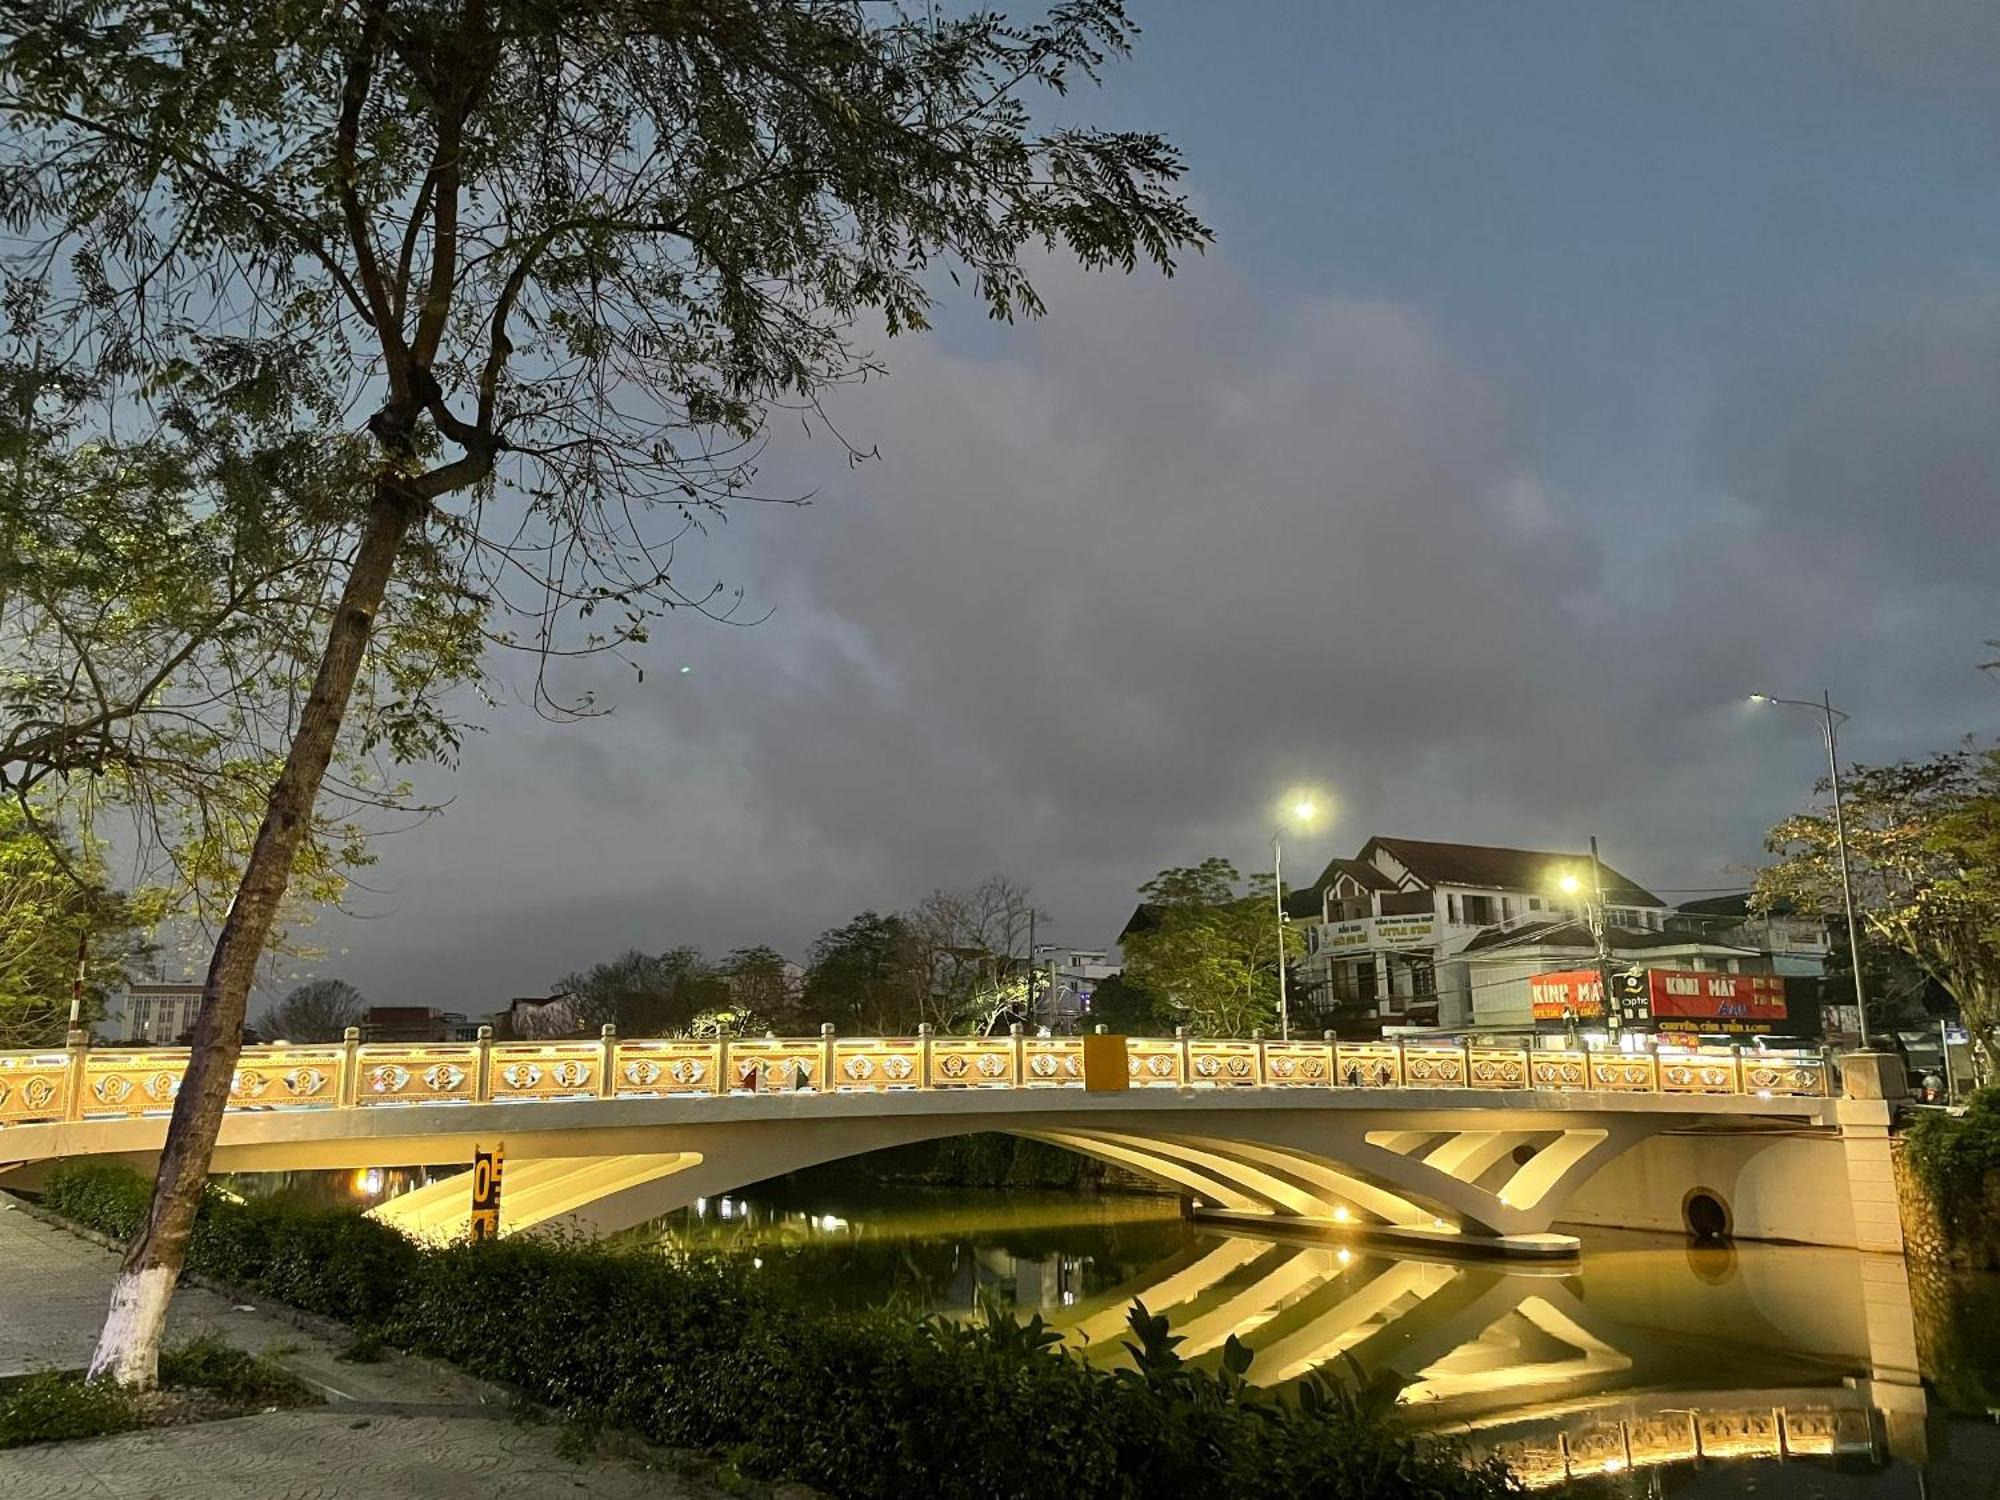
1427 1169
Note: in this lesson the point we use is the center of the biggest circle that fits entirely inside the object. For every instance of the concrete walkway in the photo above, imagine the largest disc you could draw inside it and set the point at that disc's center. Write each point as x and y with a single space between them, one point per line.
401 1427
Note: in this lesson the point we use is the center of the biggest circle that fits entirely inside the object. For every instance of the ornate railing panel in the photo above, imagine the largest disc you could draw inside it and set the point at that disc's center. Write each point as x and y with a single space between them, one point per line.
774 1065
1434 1067
119 1084
973 1062
396 1073
1052 1061
1498 1067
1298 1064
879 1062
1225 1064
648 1070
81 1083
1153 1062
1368 1065
34 1086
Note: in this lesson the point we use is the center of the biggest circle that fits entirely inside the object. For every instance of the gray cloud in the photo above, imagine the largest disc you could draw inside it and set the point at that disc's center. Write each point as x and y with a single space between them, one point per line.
1114 585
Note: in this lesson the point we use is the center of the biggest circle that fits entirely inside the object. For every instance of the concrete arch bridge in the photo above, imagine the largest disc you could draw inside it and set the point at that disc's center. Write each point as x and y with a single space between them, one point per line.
1453 1146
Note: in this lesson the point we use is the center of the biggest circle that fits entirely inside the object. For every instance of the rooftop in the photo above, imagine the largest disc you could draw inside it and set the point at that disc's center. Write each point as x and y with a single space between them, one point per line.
1496 867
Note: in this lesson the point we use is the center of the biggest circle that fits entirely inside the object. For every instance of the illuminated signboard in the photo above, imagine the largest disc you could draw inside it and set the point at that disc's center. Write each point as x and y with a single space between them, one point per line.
1573 994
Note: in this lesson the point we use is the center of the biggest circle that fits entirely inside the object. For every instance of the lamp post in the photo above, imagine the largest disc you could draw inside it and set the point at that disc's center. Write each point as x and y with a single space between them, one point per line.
1831 719
1594 916
1303 811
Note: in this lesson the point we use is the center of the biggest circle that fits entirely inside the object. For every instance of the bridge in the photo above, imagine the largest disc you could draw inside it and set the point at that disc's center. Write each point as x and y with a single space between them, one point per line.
1455 1146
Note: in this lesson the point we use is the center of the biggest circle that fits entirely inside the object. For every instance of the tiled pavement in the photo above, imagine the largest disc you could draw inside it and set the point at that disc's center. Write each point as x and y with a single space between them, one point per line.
400 1428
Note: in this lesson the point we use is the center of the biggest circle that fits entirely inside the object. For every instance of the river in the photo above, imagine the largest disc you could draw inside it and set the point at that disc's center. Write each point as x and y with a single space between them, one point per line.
1647 1367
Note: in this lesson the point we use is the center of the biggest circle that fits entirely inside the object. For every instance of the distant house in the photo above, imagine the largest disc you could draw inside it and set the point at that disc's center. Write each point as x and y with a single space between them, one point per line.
1794 943
538 1017
415 1023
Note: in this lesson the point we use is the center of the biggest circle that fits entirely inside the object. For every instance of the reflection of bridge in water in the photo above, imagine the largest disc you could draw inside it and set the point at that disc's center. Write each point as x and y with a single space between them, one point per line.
1609 1366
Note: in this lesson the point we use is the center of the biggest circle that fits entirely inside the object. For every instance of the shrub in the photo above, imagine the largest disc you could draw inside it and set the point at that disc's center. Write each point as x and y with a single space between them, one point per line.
52 1408
207 1363
696 1351
1952 1159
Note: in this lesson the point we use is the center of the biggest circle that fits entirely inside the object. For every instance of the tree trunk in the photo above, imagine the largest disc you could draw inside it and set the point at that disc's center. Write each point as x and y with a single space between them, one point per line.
128 1348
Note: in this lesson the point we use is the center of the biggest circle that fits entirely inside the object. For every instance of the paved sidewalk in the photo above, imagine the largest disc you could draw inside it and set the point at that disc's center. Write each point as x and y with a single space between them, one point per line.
401 1427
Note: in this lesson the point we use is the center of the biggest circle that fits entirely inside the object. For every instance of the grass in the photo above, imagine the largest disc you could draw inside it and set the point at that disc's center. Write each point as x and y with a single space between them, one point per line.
199 1380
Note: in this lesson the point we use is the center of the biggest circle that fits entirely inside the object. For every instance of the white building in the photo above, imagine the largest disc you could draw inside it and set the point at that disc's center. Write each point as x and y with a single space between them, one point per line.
1422 934
1394 920
152 1012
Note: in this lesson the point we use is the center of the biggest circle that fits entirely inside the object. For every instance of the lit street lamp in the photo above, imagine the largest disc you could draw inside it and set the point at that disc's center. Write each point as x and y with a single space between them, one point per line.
1303 812
1831 719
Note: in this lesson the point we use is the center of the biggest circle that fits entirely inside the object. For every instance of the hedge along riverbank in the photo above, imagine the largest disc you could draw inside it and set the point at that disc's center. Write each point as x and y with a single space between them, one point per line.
708 1353
1956 1165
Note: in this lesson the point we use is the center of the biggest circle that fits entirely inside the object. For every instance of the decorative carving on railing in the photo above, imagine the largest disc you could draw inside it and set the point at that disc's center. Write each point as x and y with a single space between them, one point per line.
86 1083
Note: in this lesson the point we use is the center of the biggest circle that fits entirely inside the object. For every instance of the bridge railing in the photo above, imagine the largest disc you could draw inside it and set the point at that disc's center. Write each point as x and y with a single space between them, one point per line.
94 1083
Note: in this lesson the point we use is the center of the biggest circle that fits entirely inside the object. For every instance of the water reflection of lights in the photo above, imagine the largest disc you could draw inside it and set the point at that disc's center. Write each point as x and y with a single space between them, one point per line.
368 1182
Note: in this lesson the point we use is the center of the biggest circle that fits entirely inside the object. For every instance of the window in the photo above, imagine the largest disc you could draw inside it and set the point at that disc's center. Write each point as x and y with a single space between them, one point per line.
1451 909
1534 903
1480 911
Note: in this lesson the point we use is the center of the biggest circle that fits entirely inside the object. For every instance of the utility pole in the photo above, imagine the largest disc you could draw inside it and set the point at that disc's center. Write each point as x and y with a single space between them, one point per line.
1831 719
1278 878
1597 931
1031 964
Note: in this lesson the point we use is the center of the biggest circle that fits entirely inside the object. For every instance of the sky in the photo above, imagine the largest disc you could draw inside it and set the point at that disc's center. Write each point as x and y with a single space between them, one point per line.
1560 374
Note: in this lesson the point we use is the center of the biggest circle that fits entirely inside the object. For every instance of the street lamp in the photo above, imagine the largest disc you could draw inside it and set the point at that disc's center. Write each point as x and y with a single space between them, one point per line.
1831 719
1302 810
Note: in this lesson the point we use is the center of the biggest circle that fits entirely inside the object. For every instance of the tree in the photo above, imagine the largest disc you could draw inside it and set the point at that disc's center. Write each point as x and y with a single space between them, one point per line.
974 944
1120 1005
569 255
161 596
319 1010
1924 852
1209 953
761 985
644 994
871 975
54 911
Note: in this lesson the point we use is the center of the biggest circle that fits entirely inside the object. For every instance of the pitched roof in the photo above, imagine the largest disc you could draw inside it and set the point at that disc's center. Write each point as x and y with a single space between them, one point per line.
1737 905
1359 871
1561 934
1501 869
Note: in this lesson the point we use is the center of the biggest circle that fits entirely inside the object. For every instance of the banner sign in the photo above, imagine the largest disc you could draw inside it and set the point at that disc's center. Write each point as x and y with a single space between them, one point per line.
1682 995
1573 994
1365 934
486 1169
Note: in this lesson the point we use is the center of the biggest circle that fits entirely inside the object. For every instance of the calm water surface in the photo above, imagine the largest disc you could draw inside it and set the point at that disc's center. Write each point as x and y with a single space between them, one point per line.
1647 1368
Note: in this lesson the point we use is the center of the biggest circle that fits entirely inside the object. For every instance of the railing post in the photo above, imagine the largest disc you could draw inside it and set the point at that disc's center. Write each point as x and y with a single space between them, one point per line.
607 1045
1017 1035
77 1043
1589 1078
1829 1078
1182 1052
1263 1073
827 1082
1736 1066
721 1062
1402 1064
482 1067
350 1068
1465 1061
1333 1080
923 1054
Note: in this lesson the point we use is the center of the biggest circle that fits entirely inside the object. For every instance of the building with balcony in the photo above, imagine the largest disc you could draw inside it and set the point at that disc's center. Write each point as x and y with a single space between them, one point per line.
1388 928
1793 943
